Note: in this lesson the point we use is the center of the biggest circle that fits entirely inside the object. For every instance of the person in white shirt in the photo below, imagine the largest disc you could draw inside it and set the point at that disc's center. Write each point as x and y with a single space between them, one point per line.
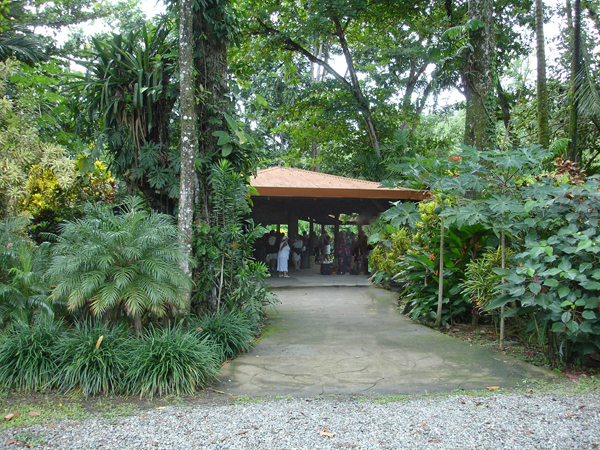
283 257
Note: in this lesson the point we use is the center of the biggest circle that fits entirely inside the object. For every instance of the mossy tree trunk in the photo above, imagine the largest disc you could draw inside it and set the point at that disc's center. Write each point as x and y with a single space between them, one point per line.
210 61
188 183
542 90
478 78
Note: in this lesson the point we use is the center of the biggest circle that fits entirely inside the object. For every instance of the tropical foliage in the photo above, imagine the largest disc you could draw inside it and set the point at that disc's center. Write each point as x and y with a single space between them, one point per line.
98 157
128 85
225 247
519 236
119 265
27 358
230 332
91 358
170 360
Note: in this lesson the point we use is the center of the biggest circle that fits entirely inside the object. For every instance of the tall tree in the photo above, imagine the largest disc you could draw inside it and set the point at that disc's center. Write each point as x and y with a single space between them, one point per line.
374 59
206 28
353 85
470 24
213 31
478 77
542 90
575 69
188 181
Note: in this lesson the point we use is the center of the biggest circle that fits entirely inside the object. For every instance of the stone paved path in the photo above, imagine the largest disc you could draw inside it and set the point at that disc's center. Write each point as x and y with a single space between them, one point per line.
351 340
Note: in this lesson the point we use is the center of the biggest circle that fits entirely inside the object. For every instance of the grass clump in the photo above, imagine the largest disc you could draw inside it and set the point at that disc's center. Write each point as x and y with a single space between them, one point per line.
27 358
91 358
232 332
170 361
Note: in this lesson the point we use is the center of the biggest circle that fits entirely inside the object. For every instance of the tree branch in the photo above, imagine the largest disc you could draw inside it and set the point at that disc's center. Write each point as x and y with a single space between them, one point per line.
294 46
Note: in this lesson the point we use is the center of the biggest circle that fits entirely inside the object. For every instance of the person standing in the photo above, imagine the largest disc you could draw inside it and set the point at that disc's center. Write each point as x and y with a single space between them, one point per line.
326 245
313 245
283 257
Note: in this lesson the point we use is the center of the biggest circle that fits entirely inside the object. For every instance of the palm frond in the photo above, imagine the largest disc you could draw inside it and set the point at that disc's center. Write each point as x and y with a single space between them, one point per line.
23 48
588 90
129 259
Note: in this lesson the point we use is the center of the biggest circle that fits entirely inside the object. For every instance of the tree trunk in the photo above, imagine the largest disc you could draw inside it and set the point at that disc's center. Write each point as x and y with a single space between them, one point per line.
211 79
440 304
317 75
210 63
478 77
502 319
188 187
542 90
575 69
506 118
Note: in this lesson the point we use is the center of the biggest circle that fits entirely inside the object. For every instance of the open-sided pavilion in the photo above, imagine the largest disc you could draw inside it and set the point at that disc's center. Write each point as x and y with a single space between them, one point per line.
287 195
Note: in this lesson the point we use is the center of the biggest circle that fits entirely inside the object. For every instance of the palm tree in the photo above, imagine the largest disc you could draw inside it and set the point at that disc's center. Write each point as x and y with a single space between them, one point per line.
15 40
117 264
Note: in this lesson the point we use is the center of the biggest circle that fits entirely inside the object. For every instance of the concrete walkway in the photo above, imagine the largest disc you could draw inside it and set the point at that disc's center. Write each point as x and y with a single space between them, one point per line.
351 340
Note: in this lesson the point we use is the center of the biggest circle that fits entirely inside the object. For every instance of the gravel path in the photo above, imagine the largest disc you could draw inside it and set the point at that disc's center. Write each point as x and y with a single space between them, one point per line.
510 421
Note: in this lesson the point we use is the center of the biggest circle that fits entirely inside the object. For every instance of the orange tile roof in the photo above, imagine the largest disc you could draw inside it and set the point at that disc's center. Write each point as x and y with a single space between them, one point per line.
289 182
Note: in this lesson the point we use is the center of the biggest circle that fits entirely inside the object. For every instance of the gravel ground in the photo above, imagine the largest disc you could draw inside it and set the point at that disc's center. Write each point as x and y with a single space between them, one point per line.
509 421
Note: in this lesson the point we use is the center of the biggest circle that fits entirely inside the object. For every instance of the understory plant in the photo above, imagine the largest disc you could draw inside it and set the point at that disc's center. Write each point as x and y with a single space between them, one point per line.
170 361
250 294
481 282
228 277
27 357
419 274
555 281
408 252
231 332
91 358
24 293
390 246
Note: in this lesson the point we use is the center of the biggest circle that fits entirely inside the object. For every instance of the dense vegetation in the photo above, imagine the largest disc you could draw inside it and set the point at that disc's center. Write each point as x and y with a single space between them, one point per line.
125 252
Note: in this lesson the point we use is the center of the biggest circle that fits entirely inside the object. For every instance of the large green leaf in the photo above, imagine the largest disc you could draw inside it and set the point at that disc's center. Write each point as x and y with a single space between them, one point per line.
403 214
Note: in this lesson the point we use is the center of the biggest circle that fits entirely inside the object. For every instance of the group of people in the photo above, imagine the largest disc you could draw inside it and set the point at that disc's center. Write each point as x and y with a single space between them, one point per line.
350 251
280 250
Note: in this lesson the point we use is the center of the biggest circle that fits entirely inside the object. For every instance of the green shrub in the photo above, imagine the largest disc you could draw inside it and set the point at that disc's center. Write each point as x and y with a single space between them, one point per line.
555 279
92 358
480 279
121 264
391 246
418 272
251 294
25 295
232 332
170 361
27 354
